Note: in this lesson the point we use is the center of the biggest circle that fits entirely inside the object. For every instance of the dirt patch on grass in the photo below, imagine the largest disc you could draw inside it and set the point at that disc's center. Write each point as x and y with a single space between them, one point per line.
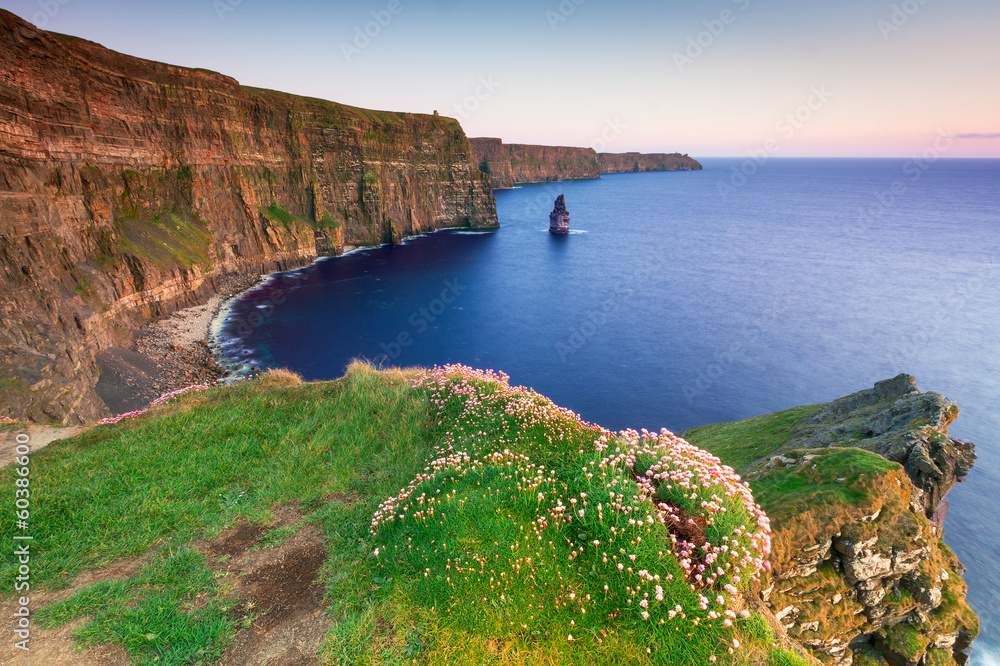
55 646
237 541
38 436
280 611
347 499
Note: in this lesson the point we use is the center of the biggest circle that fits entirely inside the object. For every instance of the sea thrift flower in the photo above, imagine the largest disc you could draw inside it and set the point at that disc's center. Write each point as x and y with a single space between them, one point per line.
641 488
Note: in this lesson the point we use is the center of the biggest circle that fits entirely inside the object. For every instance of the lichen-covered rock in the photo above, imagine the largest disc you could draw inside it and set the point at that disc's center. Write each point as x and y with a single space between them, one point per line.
129 187
901 424
844 580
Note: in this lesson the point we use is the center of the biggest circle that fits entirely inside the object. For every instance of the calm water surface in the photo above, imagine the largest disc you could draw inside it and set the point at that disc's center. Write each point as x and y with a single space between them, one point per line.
674 306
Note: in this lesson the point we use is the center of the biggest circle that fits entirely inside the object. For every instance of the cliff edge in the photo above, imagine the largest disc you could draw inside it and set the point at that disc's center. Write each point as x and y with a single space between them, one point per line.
854 489
128 188
898 422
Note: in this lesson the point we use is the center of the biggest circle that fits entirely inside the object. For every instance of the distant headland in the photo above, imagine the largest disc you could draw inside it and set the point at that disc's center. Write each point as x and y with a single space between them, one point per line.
509 164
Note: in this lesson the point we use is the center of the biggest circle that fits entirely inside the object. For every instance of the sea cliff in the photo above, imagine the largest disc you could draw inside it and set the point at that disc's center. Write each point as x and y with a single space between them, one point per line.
854 489
509 164
512 163
630 162
129 187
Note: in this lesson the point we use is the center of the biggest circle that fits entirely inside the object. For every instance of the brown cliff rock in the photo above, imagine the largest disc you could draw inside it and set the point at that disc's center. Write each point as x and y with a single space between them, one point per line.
129 187
855 568
631 162
511 163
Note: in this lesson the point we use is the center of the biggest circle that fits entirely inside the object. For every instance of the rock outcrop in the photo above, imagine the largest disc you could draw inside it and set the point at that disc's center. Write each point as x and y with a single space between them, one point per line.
898 422
559 217
509 164
855 569
859 564
129 187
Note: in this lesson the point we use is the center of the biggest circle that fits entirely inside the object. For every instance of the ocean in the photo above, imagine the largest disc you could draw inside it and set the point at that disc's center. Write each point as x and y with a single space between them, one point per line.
685 298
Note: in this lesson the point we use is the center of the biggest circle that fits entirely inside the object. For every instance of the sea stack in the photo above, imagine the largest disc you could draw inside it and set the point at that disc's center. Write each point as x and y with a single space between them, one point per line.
559 217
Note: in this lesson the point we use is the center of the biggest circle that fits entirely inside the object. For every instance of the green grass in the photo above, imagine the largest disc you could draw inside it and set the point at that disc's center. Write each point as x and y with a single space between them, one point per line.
167 240
169 478
338 451
327 222
905 640
275 213
151 614
835 476
739 443
278 536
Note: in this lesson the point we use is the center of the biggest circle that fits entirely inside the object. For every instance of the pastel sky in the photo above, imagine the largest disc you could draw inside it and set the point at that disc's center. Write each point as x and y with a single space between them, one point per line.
711 78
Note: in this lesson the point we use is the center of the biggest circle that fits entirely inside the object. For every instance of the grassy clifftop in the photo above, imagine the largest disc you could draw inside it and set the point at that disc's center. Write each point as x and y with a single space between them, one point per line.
442 517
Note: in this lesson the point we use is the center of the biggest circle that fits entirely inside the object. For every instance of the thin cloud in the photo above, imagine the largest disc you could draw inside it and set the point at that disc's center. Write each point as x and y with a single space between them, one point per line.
975 135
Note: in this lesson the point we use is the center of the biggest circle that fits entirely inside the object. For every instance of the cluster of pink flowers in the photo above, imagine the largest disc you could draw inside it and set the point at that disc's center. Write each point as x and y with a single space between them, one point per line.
479 392
641 489
679 470
159 401
6 419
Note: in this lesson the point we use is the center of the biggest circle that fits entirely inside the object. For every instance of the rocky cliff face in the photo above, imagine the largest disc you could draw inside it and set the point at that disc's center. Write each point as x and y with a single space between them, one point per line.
629 162
512 163
861 574
128 187
858 576
559 217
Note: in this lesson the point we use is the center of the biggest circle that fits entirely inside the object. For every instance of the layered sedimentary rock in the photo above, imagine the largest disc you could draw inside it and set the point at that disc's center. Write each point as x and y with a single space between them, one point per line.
629 162
559 217
512 163
860 566
127 187
509 164
856 571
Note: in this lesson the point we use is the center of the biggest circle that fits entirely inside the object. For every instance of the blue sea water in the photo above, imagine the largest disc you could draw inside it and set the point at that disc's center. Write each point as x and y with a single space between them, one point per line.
686 298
